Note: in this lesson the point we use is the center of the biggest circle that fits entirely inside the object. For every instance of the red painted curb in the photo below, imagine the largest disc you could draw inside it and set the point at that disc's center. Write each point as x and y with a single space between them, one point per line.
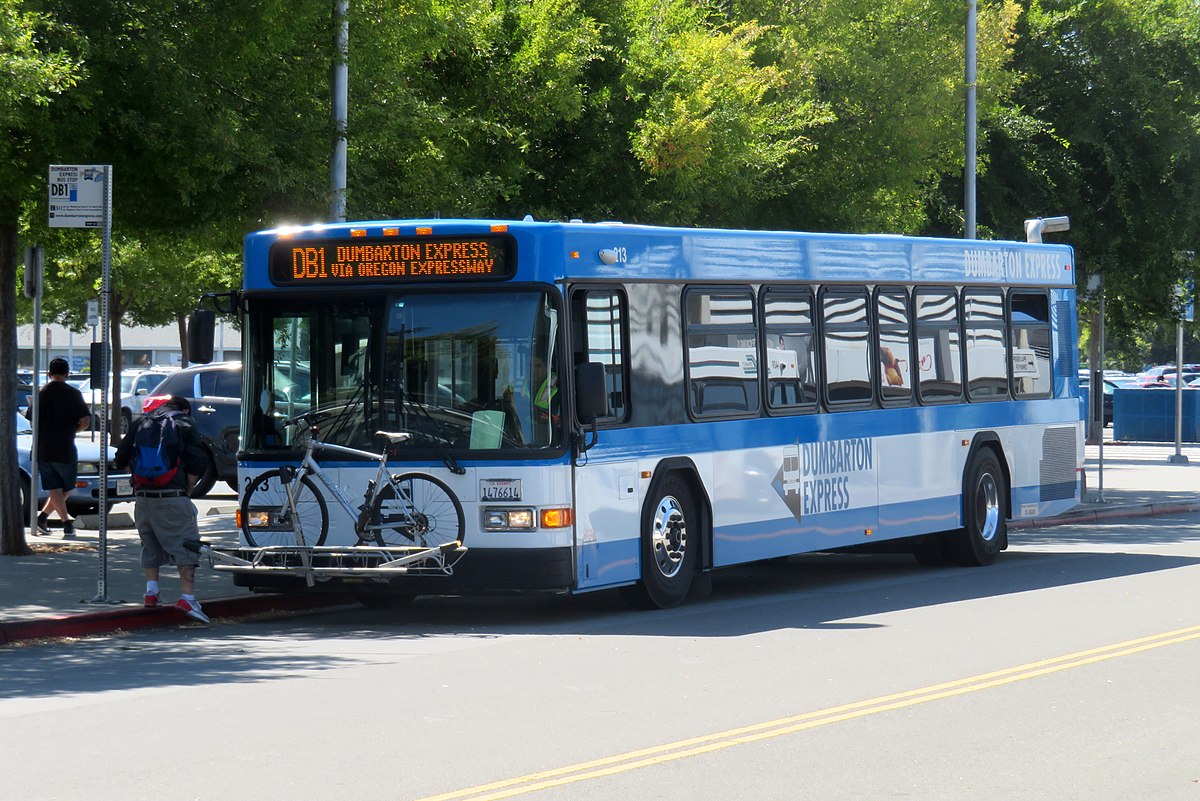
128 619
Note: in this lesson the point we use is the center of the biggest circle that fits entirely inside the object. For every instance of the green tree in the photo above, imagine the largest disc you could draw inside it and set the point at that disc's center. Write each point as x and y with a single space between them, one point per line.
891 74
449 101
33 77
1106 131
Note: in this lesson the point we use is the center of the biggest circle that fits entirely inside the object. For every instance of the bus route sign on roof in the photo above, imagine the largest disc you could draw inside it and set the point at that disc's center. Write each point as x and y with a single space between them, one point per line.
77 195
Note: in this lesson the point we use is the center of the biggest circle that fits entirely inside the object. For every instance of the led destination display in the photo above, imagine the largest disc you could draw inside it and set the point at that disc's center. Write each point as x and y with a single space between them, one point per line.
393 260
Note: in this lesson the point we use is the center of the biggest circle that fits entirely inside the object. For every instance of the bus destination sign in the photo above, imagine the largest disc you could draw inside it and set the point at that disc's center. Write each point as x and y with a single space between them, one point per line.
393 260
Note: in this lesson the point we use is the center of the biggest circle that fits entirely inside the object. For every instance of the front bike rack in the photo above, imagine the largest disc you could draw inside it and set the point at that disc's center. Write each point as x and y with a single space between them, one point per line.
322 562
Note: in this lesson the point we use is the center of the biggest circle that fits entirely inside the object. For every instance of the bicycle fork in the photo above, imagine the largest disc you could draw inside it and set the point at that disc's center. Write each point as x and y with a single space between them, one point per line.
287 478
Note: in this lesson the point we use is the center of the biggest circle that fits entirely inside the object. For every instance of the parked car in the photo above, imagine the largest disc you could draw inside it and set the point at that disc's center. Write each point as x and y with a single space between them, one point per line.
24 391
215 393
136 386
86 497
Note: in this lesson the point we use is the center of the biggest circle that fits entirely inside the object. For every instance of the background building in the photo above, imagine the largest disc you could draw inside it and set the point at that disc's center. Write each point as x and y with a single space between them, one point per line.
141 347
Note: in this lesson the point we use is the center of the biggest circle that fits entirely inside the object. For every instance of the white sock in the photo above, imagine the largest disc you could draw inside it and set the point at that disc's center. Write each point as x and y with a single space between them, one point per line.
152 588
191 599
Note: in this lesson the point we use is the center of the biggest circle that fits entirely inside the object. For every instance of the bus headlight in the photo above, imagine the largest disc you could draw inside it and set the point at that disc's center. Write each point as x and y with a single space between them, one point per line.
508 519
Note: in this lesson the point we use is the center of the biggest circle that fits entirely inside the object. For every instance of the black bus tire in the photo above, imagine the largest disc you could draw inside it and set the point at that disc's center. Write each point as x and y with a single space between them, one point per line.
669 548
985 511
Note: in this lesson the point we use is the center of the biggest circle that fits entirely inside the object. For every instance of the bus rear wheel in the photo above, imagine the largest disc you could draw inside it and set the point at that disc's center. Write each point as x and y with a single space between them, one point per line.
985 512
668 549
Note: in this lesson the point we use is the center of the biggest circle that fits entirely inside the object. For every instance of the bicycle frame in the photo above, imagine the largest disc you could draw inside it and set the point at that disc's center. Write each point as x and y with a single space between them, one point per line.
310 466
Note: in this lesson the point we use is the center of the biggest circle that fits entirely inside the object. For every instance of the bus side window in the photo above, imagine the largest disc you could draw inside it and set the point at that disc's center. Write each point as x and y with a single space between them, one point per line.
722 353
598 334
895 377
790 361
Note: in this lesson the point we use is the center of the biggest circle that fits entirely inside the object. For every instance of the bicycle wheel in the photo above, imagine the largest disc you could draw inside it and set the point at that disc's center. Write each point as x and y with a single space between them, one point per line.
266 517
416 509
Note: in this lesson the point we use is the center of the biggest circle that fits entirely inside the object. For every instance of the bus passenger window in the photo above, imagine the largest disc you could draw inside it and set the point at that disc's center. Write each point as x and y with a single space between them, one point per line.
722 349
1030 351
790 357
895 345
598 335
986 346
847 339
939 345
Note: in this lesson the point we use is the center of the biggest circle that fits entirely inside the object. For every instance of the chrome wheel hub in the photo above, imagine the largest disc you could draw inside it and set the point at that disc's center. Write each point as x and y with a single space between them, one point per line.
987 507
669 537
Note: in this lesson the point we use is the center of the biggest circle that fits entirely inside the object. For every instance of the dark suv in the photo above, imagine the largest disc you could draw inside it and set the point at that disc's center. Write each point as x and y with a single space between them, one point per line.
215 392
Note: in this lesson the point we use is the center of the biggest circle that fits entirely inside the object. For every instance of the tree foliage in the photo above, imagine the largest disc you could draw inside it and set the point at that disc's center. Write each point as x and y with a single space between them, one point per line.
798 114
35 76
1106 128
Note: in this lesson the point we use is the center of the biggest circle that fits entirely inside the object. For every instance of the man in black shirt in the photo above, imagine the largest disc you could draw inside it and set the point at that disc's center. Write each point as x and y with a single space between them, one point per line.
62 413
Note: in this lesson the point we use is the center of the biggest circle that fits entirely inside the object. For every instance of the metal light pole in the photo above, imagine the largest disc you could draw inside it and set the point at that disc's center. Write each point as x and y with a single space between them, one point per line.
1178 457
340 102
969 177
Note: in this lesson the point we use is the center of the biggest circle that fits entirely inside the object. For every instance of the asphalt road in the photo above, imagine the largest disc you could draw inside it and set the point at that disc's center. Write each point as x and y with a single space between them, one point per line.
1066 671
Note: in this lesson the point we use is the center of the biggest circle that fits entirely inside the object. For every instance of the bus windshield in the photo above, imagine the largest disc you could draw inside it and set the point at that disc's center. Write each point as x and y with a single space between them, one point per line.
460 371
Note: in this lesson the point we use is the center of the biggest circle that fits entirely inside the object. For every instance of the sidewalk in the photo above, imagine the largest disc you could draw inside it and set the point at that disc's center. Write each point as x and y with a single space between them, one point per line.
1137 480
51 593
56 592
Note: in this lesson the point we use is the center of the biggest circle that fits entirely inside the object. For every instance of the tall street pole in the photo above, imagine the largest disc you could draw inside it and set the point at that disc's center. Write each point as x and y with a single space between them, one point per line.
340 102
969 177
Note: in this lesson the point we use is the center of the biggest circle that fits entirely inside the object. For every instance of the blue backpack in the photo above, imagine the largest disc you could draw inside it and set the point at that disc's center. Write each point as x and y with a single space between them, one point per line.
157 449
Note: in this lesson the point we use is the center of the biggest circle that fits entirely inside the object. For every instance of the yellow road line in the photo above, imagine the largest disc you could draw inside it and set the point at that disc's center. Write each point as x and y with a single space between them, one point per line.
708 743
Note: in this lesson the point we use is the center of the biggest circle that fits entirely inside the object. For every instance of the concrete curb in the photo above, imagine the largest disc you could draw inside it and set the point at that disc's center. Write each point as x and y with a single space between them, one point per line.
127 618
1112 513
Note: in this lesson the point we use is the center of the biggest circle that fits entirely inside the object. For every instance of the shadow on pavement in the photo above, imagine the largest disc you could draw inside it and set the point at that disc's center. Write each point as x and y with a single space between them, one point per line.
825 592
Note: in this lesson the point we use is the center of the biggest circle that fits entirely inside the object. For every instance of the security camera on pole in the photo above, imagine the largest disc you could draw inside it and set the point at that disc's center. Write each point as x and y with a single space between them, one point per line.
81 197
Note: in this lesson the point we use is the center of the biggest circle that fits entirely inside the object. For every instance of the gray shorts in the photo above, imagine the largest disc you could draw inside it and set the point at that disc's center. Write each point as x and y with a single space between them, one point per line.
165 524
58 475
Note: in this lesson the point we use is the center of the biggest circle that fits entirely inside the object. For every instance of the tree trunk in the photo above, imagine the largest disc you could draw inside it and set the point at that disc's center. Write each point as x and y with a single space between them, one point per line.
12 515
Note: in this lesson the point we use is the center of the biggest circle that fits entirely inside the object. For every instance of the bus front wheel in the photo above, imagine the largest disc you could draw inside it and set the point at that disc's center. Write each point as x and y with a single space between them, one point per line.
668 549
985 511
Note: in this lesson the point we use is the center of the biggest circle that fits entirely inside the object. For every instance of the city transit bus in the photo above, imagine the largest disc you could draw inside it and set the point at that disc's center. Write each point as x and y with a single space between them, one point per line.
626 406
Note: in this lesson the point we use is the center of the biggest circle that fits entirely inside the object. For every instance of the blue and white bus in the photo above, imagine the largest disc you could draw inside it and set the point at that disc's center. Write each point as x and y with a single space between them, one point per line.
627 406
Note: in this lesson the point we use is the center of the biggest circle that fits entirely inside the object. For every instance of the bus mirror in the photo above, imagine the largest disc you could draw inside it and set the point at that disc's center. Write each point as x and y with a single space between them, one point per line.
201 326
591 398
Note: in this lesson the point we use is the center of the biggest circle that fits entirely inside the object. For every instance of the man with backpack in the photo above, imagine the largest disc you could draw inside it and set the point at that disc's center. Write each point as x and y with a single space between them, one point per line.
166 458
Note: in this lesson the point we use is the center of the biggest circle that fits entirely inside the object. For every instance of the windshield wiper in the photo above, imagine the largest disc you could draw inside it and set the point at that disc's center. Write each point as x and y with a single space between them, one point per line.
447 458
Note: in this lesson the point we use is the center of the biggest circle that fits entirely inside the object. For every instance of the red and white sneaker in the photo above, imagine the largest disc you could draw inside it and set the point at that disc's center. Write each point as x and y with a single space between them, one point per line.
191 609
150 601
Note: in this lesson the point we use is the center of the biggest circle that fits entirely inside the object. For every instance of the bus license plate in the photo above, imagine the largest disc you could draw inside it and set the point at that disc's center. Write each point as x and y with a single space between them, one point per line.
124 486
500 489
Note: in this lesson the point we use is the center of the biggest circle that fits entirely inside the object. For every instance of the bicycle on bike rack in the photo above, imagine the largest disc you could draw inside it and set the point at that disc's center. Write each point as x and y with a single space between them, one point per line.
408 522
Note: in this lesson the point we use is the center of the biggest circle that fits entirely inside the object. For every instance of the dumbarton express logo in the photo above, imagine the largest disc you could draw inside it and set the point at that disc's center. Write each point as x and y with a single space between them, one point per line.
815 477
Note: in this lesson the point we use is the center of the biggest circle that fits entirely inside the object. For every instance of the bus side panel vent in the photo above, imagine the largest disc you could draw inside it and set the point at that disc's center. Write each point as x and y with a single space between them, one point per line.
1065 363
1058 464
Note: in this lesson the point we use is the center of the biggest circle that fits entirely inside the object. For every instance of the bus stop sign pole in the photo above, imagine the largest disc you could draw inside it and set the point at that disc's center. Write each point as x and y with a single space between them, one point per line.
81 197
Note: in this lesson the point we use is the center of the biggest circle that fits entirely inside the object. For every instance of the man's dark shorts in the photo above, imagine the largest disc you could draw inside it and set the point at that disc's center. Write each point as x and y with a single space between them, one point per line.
58 475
